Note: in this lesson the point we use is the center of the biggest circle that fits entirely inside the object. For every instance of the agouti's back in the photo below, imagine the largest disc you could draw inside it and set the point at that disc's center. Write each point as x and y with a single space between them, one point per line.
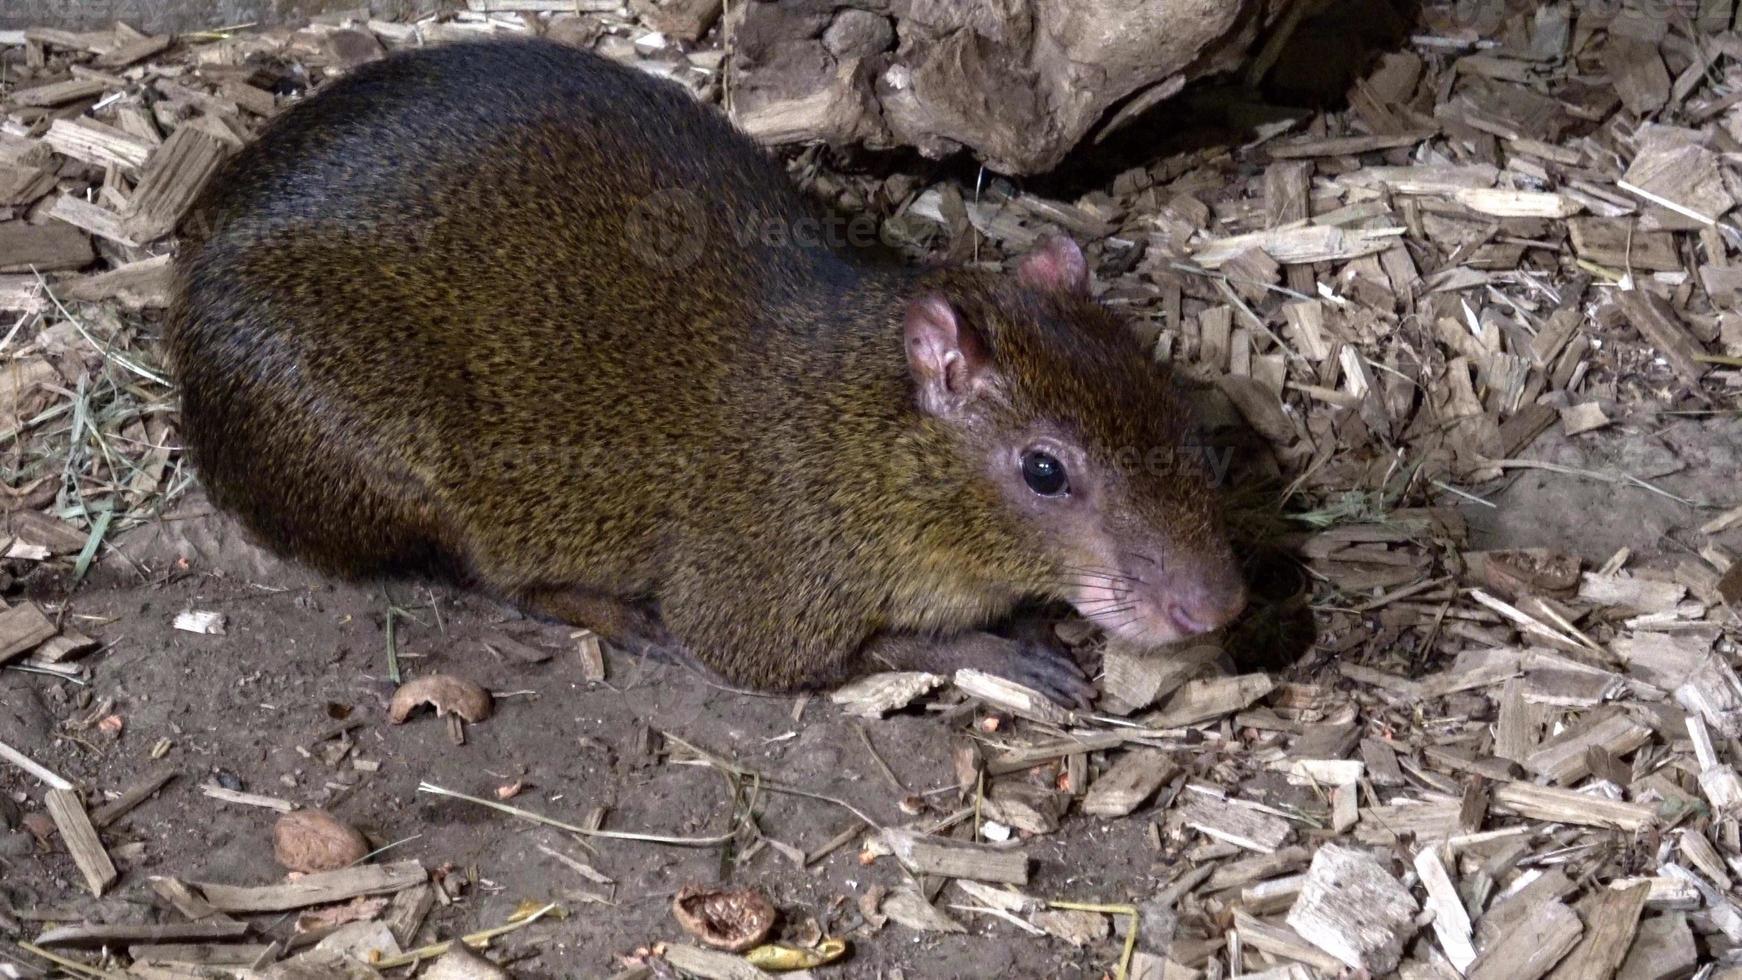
463 281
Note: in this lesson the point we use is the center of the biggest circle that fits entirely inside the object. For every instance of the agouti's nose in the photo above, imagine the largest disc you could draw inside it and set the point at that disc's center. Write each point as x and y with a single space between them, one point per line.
1207 609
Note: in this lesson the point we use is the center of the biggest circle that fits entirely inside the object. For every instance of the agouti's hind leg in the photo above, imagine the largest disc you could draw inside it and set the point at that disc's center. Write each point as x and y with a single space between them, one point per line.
630 626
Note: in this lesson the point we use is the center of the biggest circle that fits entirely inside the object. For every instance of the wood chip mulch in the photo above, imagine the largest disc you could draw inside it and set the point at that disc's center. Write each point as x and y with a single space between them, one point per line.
1501 763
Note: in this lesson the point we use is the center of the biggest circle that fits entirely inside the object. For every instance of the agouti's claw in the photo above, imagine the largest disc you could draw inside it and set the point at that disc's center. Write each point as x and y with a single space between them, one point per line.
1053 672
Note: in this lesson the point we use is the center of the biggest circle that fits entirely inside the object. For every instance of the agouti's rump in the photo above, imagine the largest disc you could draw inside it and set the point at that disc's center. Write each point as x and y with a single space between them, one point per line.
489 312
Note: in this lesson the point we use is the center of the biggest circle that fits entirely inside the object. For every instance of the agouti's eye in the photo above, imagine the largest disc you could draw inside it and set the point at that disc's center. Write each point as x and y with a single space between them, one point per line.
1044 474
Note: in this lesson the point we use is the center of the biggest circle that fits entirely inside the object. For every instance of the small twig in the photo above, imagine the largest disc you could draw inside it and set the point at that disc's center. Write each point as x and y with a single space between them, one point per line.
714 841
476 940
72 966
1623 478
1467 495
102 349
1006 916
889 776
23 762
1402 593
392 643
383 849
832 845
772 785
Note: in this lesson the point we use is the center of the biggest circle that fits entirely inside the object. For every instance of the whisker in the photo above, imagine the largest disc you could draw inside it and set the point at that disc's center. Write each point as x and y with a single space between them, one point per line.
1111 573
1066 584
1107 613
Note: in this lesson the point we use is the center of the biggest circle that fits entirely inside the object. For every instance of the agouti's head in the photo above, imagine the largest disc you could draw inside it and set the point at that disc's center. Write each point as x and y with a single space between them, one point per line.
1081 441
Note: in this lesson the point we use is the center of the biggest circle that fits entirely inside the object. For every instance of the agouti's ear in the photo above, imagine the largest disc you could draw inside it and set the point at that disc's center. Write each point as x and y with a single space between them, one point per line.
948 359
1055 266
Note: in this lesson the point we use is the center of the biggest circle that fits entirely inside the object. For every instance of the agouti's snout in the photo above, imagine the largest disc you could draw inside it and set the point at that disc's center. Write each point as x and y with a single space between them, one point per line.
1207 604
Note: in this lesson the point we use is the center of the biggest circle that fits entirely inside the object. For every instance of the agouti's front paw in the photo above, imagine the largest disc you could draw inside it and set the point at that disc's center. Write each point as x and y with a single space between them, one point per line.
1044 666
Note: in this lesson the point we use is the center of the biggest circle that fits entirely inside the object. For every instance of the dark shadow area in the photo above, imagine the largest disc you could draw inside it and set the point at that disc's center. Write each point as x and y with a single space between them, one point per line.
1313 71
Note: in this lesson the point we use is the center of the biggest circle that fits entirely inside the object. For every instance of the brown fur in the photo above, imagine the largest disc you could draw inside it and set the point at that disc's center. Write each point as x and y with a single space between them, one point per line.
413 338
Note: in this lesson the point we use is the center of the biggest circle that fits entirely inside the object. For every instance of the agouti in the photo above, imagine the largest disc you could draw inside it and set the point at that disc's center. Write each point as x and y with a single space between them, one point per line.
489 312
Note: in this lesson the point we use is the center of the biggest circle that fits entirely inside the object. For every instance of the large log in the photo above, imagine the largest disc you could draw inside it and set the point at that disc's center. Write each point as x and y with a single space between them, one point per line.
1019 83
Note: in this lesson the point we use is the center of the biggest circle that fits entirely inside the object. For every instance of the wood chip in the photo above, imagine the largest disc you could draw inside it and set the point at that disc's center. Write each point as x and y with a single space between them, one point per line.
1230 821
1564 760
1073 926
1306 322
171 179
1620 244
1298 246
1662 949
1022 701
1580 419
43 248
1660 659
94 218
205 621
133 51
136 286
98 144
315 889
1134 678
1451 923
1510 911
910 908
1664 892
131 797
22 627
1659 325
1130 781
59 93
1681 176
877 695
592 656
197 954
712 964
952 859
81 839
1344 145
1628 592
1353 909
1567 806
94 935
1203 700
406 912
1500 203
262 801
1532 947
1611 918
1280 940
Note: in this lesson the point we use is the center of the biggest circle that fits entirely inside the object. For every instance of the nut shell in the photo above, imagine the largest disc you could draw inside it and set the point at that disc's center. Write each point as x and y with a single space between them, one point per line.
730 919
444 693
314 840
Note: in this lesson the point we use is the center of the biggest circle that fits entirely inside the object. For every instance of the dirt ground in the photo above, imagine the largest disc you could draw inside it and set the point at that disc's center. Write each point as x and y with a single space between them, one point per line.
299 650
